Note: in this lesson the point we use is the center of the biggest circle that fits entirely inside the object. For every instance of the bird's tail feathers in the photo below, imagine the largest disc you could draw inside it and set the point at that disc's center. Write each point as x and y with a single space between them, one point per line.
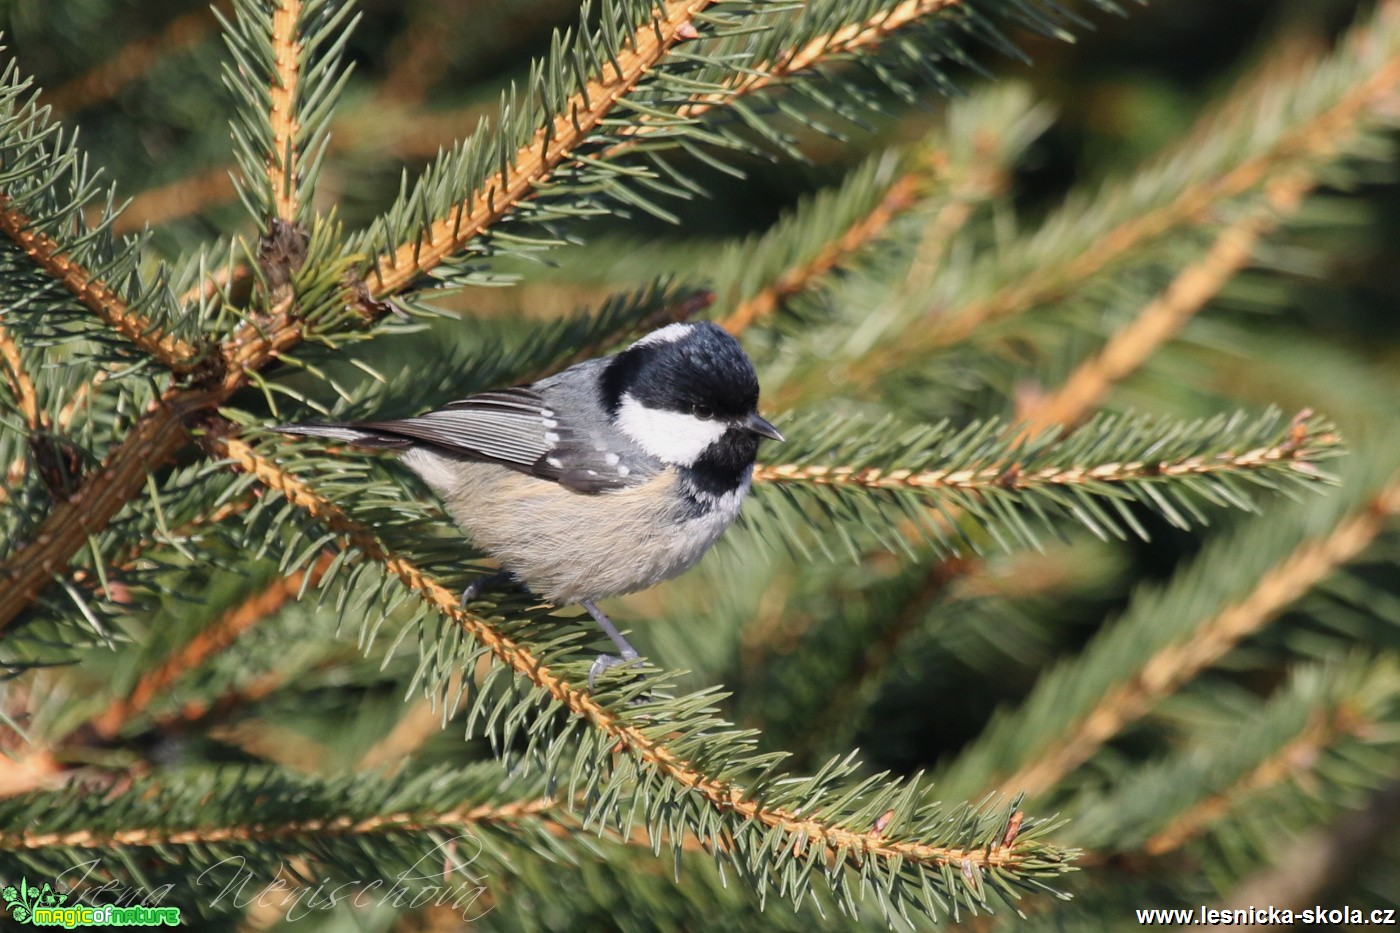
349 433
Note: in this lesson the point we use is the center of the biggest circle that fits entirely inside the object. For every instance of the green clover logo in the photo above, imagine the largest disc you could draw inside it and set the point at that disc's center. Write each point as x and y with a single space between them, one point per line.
21 901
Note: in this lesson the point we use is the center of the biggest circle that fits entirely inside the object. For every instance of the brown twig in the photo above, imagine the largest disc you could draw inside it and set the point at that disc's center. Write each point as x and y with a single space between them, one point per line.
178 199
282 169
213 639
1004 476
845 40
155 438
1296 758
1308 565
898 198
515 812
26 400
93 293
534 161
1160 320
21 386
1318 138
424 134
1317 864
132 63
641 743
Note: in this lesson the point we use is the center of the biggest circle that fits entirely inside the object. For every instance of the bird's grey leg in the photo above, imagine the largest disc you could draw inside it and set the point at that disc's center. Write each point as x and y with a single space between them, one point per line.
482 584
605 661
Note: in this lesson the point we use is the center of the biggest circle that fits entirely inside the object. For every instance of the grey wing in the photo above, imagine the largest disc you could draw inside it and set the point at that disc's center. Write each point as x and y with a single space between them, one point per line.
517 428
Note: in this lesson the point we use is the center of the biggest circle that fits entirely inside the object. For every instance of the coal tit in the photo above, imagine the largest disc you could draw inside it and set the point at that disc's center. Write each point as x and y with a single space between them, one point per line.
609 477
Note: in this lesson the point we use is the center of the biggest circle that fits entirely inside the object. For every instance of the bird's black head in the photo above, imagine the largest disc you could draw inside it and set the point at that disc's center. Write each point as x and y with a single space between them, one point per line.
688 394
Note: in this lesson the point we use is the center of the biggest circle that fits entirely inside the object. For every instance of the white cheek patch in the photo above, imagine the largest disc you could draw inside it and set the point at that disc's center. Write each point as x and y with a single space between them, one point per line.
670 436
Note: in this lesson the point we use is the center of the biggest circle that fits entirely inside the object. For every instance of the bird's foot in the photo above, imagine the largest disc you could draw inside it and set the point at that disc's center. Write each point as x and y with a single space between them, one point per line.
482 584
626 654
606 662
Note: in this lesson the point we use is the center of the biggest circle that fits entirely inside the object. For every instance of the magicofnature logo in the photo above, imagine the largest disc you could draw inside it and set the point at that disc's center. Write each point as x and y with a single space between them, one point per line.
45 907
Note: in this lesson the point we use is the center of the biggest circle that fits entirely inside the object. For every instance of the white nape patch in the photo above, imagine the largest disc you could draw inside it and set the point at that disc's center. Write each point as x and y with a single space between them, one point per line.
671 333
671 436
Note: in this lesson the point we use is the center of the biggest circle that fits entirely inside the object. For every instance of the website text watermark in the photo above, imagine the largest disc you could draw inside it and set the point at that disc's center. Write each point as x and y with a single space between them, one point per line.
1265 916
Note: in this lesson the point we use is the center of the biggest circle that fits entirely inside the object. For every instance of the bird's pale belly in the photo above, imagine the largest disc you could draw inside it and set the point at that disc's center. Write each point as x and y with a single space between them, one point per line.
566 546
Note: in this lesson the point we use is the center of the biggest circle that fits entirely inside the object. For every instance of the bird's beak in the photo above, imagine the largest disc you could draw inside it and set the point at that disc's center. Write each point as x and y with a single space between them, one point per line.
759 425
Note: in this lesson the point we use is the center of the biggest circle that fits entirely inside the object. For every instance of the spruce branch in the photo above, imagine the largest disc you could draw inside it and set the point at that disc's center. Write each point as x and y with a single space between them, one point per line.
213 639
1016 476
283 154
287 75
1161 319
108 79
152 441
21 387
1166 671
93 292
356 133
32 564
844 39
1159 645
552 144
898 197
1288 764
812 836
940 180
167 802
946 505
512 813
47 188
1313 122
1328 725
933 476
1082 394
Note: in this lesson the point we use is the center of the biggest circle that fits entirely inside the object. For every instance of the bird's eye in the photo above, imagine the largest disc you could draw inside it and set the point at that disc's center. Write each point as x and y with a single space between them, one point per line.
703 412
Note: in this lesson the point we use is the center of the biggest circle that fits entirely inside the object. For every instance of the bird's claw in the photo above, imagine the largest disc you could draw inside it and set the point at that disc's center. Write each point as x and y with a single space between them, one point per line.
606 662
481 584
